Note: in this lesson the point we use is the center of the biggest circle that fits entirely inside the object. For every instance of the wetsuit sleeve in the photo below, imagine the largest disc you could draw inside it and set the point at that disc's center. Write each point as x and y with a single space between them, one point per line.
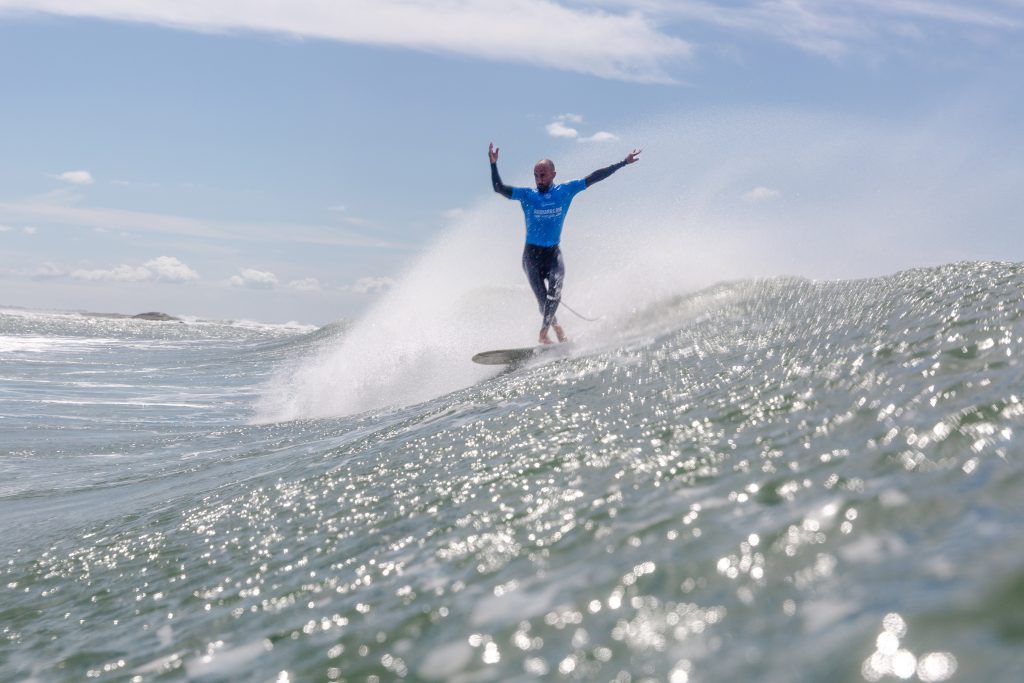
602 173
499 187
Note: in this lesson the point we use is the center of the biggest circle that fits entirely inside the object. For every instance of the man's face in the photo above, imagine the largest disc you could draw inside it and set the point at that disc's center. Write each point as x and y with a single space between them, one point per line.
544 174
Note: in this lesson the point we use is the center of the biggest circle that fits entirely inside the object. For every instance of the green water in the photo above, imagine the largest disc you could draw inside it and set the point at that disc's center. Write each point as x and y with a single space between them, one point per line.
766 481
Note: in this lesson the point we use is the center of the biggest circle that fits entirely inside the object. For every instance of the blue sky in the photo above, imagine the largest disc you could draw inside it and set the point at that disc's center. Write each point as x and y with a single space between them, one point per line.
290 161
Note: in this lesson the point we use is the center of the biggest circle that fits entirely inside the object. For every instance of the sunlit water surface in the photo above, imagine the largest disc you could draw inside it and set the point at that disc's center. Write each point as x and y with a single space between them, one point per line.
769 480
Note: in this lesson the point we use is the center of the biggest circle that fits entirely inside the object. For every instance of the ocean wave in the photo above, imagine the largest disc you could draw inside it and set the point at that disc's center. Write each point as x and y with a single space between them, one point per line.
764 479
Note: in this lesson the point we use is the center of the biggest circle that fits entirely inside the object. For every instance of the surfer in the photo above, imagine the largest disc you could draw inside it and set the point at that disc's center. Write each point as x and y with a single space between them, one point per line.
544 210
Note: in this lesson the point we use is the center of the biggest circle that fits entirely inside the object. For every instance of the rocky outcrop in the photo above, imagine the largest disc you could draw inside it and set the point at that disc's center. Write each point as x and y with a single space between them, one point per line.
153 315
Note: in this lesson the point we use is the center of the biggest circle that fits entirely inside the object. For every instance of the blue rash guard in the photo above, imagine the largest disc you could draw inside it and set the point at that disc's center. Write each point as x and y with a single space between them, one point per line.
545 211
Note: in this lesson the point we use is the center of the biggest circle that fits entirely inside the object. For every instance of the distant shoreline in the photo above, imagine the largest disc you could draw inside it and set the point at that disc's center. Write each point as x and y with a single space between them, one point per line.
159 316
151 315
148 315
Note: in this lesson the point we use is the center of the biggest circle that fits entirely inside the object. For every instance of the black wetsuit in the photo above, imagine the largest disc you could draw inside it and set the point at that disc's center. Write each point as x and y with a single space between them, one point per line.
543 263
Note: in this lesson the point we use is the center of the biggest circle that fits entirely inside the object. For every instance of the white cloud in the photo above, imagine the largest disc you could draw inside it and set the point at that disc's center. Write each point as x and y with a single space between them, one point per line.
122 273
600 136
761 194
369 285
351 220
557 129
254 279
162 268
5 228
171 269
48 270
355 220
76 177
972 14
834 28
308 284
617 39
119 220
30 230
60 196
625 46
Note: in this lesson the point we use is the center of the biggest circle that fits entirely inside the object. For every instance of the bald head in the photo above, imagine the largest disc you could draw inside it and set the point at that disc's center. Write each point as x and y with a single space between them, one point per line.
544 174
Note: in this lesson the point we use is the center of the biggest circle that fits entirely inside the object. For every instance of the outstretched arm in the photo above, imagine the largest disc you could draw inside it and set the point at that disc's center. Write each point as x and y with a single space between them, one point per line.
602 173
499 187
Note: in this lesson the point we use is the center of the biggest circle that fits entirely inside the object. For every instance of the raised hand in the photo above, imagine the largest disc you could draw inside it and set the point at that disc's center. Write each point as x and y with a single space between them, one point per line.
633 156
492 152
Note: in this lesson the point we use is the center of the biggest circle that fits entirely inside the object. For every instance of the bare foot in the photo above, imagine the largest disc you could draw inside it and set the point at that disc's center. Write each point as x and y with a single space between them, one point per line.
560 333
544 339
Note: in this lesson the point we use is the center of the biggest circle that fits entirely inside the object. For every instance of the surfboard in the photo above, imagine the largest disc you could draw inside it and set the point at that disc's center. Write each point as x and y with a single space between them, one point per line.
519 356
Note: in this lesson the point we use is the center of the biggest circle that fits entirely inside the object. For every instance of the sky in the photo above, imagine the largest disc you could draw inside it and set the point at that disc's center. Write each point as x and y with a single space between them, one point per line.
291 161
